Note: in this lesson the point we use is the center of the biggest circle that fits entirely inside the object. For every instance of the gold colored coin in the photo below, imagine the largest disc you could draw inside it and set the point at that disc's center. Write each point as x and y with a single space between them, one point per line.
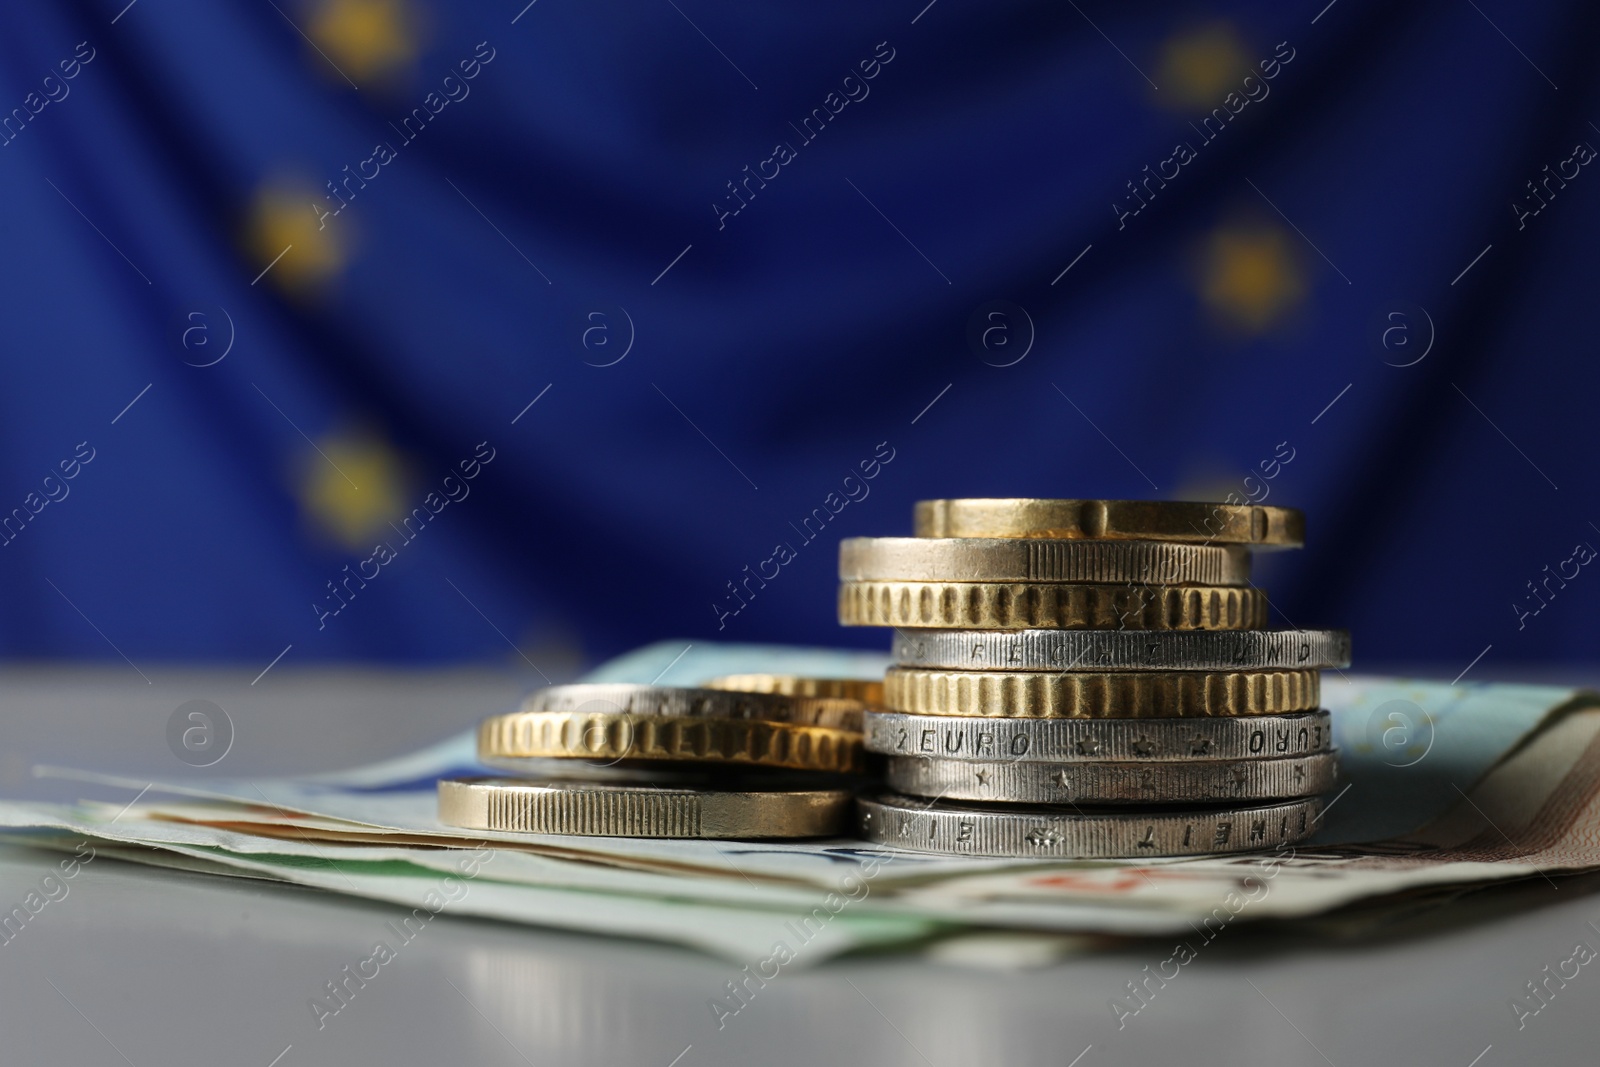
1050 606
794 685
1113 520
1101 695
1034 559
686 739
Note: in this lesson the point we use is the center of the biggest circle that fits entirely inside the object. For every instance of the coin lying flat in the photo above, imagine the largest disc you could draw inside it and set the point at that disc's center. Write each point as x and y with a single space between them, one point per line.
735 777
617 698
1050 832
1193 782
692 739
953 737
793 685
1114 650
1100 695
922 559
1113 520
1050 605
599 810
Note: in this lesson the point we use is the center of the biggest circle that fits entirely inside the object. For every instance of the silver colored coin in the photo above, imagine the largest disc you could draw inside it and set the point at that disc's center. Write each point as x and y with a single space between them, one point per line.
1055 833
672 702
1112 650
1003 740
594 809
991 559
1194 782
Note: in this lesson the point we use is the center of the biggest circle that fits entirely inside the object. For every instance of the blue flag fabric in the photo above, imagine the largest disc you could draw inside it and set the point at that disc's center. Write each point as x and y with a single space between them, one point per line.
384 329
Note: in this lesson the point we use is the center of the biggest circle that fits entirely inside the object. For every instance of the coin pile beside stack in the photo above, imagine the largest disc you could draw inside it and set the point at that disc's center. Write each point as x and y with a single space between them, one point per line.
1088 678
748 756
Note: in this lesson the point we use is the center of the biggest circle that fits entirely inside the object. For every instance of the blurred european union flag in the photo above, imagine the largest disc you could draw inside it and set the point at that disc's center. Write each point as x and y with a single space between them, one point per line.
422 332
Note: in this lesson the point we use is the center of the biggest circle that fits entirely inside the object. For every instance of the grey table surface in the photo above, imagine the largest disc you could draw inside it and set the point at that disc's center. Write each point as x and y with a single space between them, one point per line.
145 967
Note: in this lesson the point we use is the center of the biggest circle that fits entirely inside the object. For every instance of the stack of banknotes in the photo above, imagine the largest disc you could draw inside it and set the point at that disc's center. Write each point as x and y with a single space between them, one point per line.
1445 788
1090 679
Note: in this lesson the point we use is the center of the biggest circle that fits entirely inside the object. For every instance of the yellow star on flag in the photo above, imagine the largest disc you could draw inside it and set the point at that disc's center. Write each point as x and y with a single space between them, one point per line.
364 39
352 488
287 242
1251 276
1200 66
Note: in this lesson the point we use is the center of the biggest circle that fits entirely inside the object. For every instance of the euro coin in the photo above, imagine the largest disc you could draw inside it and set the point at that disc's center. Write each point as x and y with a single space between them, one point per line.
1113 520
595 809
960 737
1100 695
862 690
1050 606
673 702
621 737
1148 782
1122 650
925 559
968 829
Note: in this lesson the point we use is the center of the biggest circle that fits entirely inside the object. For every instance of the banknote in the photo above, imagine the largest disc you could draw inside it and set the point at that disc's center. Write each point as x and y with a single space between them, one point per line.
1402 743
730 917
1444 786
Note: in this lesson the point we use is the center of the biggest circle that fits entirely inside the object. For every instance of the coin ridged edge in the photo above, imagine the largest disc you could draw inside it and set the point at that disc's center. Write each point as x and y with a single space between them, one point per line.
1034 605
1096 695
622 811
600 735
988 559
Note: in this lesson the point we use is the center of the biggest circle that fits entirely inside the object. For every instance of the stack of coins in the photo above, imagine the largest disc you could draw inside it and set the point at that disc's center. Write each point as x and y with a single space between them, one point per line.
748 756
1089 678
